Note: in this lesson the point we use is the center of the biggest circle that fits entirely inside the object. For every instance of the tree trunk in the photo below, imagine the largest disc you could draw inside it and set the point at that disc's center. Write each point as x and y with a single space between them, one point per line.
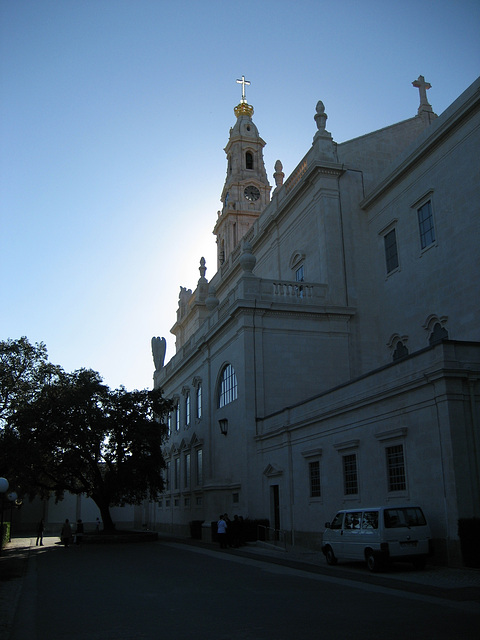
108 525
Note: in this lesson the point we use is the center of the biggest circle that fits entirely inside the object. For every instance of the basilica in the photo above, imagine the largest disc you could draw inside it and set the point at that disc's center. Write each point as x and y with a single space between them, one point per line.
333 360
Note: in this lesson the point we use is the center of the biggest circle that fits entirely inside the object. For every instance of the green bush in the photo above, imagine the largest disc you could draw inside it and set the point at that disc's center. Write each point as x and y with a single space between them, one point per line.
5 534
469 534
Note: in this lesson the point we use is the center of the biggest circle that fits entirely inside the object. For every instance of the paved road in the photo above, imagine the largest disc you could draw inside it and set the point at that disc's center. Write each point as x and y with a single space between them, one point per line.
165 589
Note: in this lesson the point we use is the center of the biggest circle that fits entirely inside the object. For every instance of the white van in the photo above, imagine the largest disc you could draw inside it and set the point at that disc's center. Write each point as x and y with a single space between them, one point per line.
378 535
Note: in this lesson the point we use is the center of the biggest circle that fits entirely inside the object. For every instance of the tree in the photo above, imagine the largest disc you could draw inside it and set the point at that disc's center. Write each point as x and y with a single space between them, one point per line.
24 369
77 435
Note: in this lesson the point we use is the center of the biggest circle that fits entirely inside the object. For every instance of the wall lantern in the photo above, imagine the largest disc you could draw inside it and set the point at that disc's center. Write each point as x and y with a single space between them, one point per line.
223 426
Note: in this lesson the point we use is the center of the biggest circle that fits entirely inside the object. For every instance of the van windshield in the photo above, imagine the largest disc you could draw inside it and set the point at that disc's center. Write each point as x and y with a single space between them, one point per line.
405 517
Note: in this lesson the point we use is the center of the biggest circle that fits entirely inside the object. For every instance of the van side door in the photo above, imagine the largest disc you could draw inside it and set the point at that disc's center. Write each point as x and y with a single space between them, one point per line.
352 542
370 531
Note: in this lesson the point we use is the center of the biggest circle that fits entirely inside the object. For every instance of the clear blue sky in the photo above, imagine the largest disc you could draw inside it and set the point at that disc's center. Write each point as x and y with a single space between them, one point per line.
113 119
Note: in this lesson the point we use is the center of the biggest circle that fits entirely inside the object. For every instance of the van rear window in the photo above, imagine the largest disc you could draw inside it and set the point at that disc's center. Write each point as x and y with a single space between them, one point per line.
406 517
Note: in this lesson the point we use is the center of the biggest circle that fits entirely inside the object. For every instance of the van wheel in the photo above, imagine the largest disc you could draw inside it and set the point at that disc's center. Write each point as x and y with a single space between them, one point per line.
373 563
330 556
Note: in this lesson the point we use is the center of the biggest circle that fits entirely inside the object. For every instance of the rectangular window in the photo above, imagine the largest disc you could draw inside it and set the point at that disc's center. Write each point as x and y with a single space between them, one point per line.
314 470
186 471
169 425
350 480
177 417
425 225
199 467
396 468
391 253
300 274
176 482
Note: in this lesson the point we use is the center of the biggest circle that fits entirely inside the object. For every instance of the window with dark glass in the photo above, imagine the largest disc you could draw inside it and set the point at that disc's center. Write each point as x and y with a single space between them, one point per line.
177 417
400 351
249 160
199 467
350 480
391 253
337 521
396 468
187 409
199 401
176 481
438 334
314 471
425 224
186 471
228 386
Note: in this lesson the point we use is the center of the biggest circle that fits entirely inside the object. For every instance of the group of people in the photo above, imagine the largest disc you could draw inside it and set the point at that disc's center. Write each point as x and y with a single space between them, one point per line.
230 532
66 534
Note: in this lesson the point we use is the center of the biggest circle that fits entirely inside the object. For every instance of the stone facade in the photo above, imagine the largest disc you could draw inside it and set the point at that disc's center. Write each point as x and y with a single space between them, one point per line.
334 358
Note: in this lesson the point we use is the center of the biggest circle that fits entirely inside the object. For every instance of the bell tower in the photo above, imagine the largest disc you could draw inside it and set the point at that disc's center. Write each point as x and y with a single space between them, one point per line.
246 192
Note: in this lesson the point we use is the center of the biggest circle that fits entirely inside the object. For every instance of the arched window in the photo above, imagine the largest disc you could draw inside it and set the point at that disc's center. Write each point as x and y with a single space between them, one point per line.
400 351
199 401
187 408
438 334
248 160
228 386
177 416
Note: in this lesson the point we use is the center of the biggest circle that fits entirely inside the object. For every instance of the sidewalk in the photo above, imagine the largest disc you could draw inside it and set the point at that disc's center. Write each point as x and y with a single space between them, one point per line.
442 582
13 567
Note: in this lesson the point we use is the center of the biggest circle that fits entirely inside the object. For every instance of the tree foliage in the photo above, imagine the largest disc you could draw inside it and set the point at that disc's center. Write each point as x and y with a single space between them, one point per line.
73 433
24 369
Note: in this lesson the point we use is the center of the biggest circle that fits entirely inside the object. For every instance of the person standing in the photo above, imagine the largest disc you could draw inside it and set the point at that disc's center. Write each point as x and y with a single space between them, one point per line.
66 533
222 532
40 530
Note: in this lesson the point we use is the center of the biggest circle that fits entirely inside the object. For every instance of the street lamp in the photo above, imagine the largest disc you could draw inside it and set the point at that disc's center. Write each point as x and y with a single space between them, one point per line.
3 491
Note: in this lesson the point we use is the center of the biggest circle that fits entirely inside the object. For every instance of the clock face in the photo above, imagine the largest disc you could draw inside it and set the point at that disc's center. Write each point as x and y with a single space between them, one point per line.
251 193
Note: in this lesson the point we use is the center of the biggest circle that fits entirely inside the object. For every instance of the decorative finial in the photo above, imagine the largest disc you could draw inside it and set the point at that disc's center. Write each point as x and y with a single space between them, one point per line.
243 109
247 259
202 268
320 116
278 176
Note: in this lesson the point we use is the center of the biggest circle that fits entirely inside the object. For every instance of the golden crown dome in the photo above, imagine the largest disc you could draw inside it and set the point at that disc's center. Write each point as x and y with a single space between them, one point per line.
243 109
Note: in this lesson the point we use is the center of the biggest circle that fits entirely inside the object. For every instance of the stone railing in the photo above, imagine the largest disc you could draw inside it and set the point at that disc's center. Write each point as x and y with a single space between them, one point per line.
296 176
292 290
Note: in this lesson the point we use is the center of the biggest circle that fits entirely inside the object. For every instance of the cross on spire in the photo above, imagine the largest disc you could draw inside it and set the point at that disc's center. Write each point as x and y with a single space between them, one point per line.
422 87
243 82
